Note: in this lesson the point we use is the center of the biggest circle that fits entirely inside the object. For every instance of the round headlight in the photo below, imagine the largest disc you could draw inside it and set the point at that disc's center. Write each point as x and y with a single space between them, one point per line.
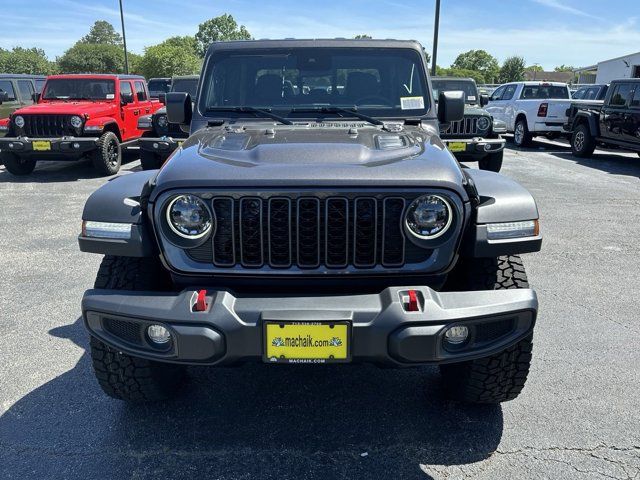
189 217
484 123
162 121
19 121
76 121
428 216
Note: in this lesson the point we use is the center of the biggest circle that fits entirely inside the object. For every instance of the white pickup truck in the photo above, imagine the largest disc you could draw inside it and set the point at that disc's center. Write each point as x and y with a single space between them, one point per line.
531 108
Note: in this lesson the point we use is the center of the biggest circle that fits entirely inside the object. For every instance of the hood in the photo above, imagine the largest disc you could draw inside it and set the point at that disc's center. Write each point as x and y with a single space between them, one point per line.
475 110
92 109
312 155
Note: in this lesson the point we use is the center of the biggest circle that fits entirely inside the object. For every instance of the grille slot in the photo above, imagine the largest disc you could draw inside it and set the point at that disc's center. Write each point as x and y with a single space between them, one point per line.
47 125
486 332
128 331
466 126
283 231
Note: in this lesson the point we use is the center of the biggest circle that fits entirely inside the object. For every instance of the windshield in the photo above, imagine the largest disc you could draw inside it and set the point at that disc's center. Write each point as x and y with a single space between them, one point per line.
185 85
379 82
469 89
79 89
158 86
544 92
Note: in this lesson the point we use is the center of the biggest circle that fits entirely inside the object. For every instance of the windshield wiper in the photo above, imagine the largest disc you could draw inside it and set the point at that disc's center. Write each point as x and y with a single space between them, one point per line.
256 111
353 111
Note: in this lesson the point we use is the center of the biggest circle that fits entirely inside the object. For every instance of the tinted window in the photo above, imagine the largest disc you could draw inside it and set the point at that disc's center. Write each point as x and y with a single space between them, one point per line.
158 86
141 94
509 92
26 89
125 88
40 85
621 94
591 93
79 89
580 93
497 94
635 101
7 86
469 88
385 82
544 92
189 85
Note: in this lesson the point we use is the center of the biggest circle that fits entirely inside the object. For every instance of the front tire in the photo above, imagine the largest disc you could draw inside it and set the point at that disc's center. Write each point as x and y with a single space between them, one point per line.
150 160
502 376
107 157
582 142
492 162
521 135
123 376
17 165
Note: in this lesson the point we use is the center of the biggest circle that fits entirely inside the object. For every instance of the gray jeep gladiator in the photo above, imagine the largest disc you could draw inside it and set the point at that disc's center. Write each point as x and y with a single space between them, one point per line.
313 215
475 138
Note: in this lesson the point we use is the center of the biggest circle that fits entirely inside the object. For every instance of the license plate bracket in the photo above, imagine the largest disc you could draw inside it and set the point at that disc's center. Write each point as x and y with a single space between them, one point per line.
307 342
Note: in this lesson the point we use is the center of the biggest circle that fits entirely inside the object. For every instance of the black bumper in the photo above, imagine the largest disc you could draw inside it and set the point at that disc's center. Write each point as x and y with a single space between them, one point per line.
162 146
73 146
381 330
474 148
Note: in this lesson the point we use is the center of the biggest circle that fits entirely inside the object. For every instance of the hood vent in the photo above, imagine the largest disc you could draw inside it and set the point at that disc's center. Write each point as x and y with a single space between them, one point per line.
391 142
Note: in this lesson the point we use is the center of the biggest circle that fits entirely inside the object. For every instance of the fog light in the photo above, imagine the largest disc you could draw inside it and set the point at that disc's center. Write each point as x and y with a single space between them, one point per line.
487 147
158 334
456 335
11 145
155 145
76 145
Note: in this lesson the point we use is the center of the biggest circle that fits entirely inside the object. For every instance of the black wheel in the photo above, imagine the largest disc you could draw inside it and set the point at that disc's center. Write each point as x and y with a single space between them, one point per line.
17 165
582 142
492 162
120 375
107 157
521 135
500 377
150 160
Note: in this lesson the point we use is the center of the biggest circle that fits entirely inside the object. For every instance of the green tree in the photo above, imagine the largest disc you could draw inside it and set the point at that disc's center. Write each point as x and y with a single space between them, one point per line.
92 58
512 70
188 43
564 68
218 29
363 36
479 61
26 60
460 72
534 68
167 60
102 33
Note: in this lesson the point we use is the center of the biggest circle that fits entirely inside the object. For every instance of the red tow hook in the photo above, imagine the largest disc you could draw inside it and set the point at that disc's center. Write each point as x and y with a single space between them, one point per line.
201 301
413 306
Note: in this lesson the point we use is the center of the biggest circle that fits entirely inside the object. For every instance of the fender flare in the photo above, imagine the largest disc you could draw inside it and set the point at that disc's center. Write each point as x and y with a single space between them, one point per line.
590 119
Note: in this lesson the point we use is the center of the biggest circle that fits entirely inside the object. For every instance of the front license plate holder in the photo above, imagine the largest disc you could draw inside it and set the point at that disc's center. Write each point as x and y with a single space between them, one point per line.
457 146
307 342
41 145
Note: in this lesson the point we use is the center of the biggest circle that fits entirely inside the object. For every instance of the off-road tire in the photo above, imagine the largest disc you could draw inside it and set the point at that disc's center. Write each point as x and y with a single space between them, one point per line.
524 138
150 160
492 162
120 375
107 156
502 376
582 142
17 165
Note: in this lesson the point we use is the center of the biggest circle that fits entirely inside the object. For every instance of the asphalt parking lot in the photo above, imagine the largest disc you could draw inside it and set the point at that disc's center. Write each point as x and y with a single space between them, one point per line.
578 416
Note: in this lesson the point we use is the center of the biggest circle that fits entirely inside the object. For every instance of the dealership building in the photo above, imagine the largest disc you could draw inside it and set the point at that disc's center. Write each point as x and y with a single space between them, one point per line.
627 66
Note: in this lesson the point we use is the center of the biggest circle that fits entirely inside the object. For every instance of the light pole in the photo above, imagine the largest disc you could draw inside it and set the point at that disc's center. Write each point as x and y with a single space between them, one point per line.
124 41
436 27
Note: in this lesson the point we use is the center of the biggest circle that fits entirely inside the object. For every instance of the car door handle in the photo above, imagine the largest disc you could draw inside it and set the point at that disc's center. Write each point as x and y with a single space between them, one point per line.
136 112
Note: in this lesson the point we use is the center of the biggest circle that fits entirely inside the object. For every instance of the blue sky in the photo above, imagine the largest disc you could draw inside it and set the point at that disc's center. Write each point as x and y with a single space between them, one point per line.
548 32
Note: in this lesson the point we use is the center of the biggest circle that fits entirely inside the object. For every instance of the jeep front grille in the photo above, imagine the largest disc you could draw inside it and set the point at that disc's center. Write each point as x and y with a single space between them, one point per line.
467 126
309 232
44 126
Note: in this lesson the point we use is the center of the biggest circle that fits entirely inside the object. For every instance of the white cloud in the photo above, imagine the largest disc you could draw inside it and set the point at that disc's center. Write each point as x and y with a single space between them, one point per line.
565 8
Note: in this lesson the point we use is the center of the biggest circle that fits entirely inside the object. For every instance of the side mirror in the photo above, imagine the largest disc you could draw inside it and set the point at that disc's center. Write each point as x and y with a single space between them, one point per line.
484 100
179 108
450 106
126 98
4 97
162 98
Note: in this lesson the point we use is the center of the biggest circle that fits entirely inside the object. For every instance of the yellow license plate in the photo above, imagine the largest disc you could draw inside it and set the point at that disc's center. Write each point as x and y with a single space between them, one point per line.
41 145
457 146
306 342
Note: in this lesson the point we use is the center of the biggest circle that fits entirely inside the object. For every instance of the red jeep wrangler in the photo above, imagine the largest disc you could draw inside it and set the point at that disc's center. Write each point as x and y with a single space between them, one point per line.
77 115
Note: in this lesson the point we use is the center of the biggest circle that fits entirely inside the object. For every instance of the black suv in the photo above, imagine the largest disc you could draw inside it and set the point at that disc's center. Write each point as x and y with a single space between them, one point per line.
17 91
613 124
161 138
314 215
475 138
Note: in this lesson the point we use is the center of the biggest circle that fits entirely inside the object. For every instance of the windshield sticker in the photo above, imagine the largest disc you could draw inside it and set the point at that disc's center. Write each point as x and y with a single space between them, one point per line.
110 96
411 103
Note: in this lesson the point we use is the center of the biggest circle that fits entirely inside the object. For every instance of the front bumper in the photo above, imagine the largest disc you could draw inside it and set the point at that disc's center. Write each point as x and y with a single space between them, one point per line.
163 146
474 147
382 331
43 146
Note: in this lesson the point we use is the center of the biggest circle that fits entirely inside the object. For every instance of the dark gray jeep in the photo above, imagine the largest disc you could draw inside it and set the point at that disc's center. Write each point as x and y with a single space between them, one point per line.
314 215
475 138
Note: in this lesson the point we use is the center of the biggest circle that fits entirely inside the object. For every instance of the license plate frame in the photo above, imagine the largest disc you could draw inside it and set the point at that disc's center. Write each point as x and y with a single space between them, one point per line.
41 145
455 147
311 328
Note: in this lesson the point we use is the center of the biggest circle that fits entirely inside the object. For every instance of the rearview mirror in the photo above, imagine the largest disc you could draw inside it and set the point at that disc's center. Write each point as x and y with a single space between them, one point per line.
484 100
126 98
4 97
450 106
35 97
162 98
179 108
